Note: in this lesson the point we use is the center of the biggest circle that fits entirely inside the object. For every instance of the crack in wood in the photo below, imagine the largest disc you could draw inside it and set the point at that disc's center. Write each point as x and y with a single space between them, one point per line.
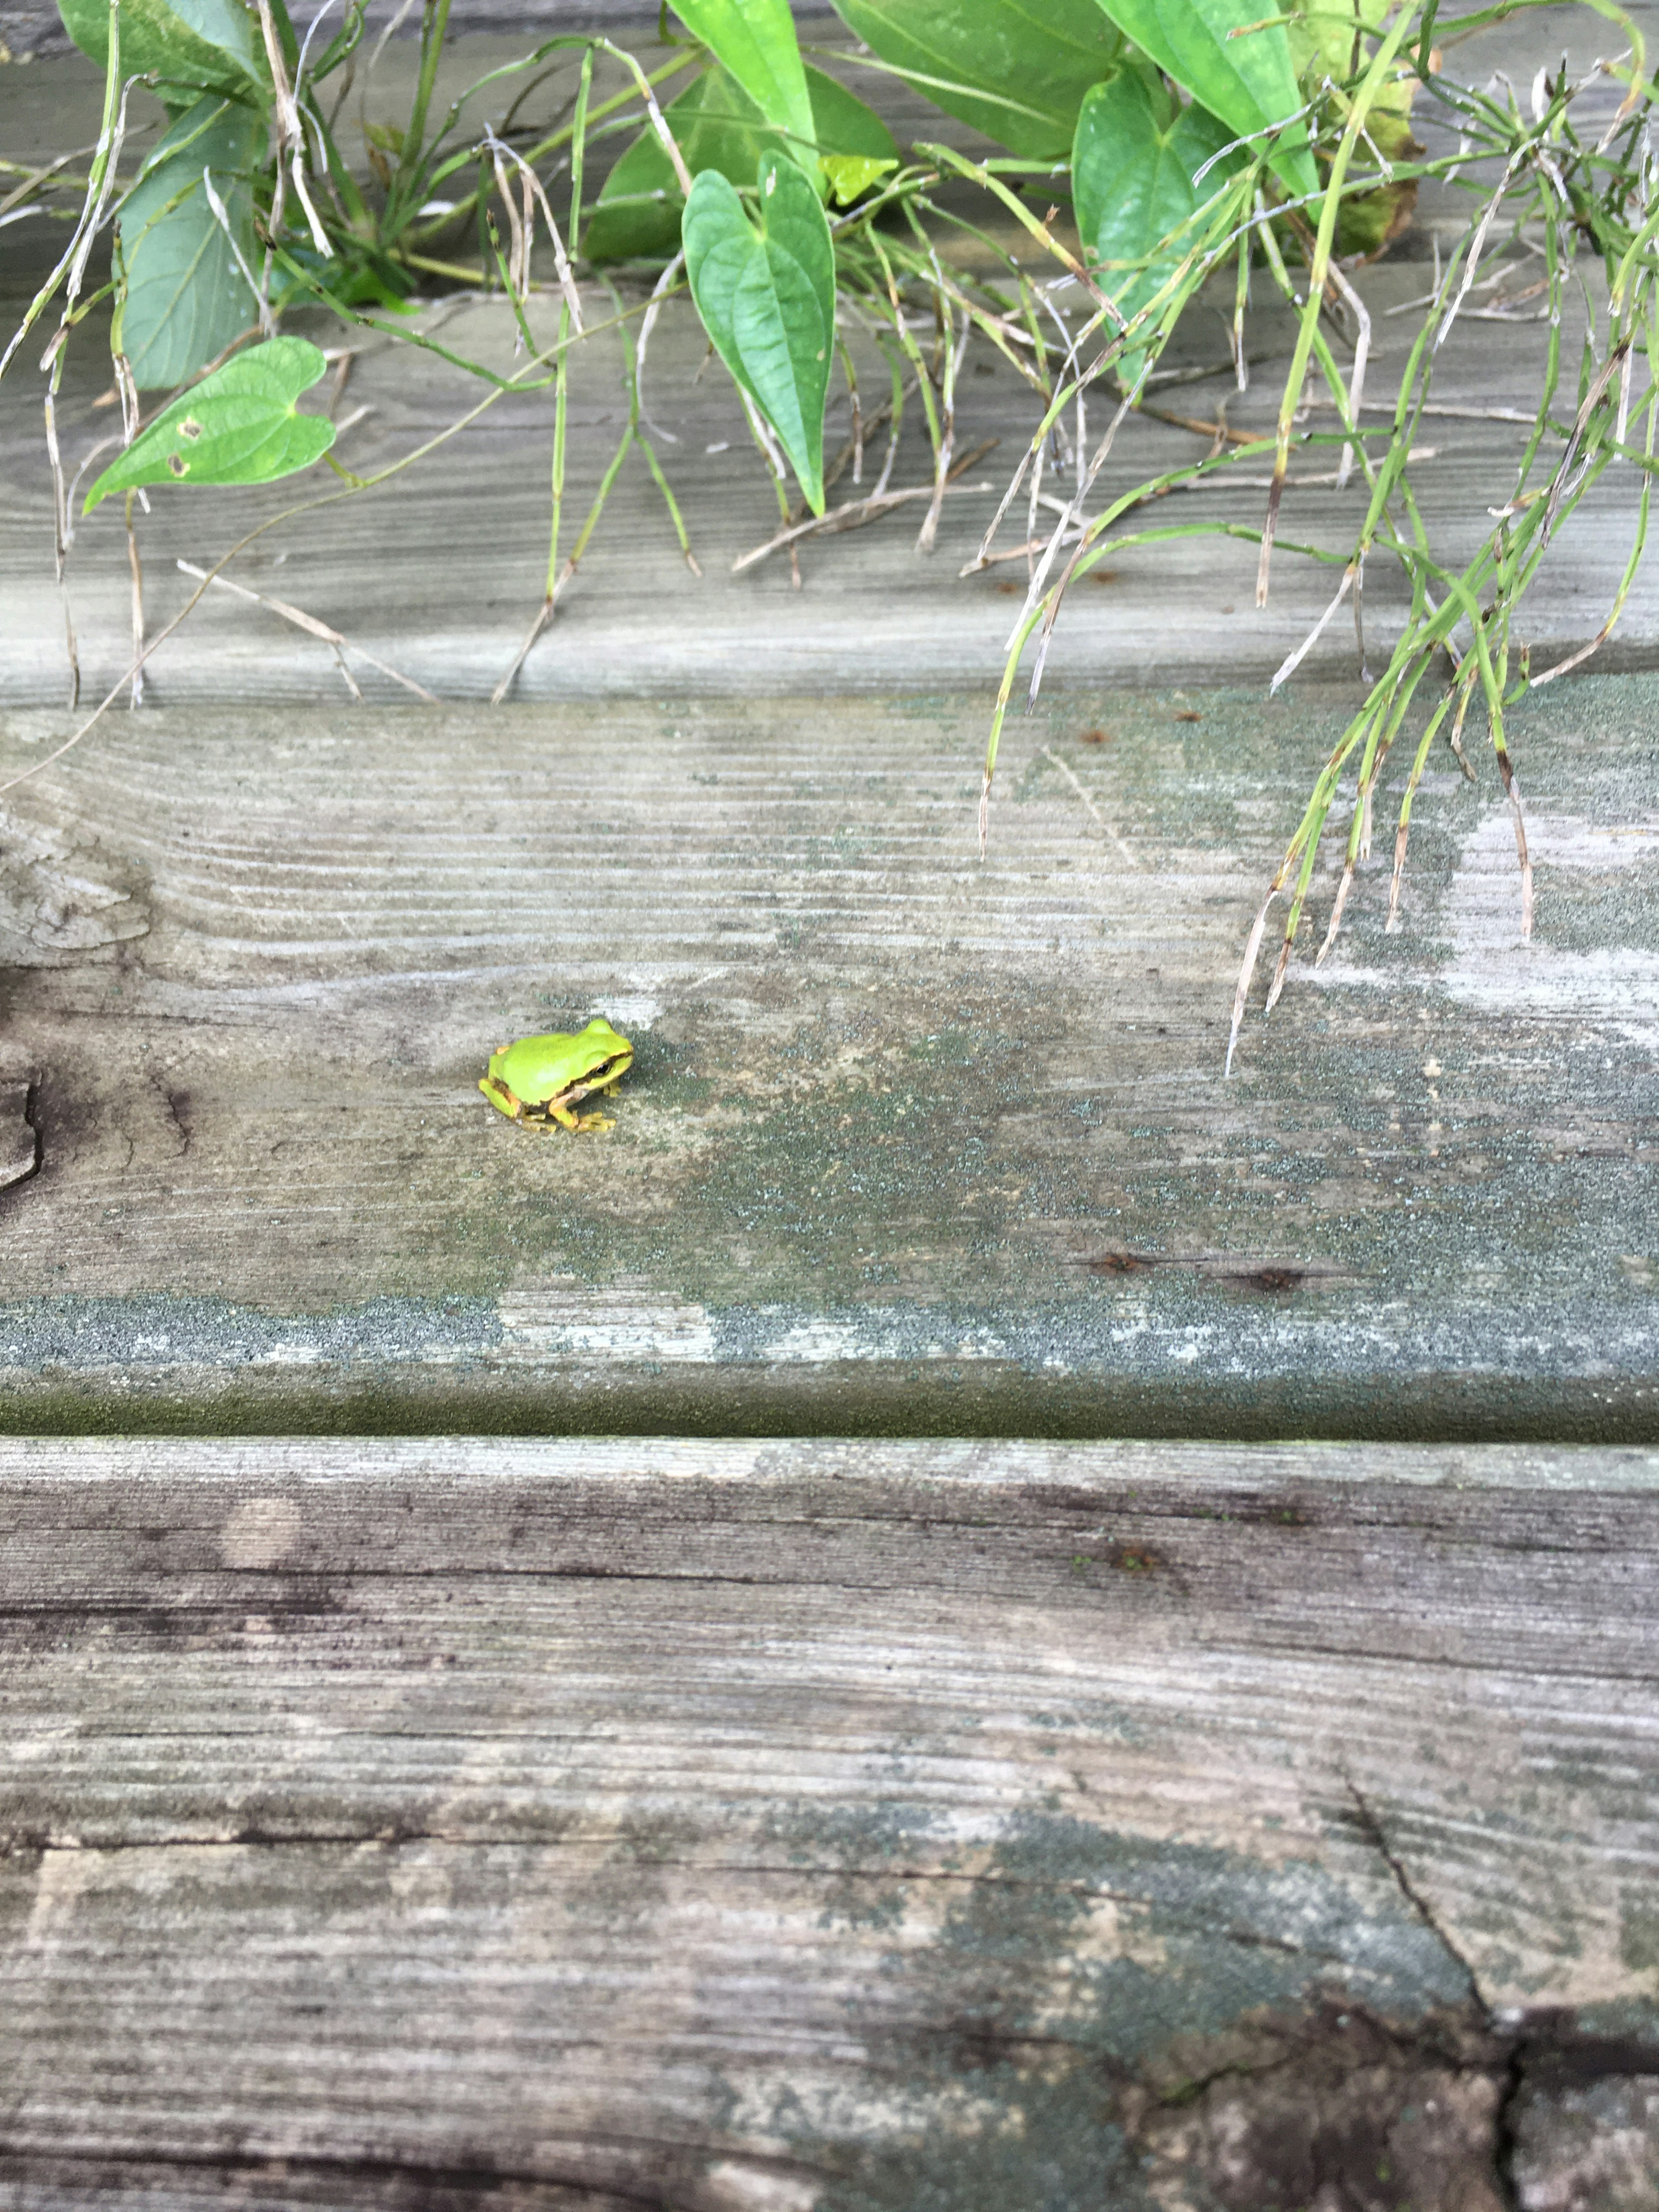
1371 1828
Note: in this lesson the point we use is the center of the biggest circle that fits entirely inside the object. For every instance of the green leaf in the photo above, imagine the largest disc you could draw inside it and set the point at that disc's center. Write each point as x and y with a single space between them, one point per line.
342 46
1322 36
754 42
1132 165
846 130
1248 80
768 300
208 45
187 298
1015 70
717 126
851 175
239 426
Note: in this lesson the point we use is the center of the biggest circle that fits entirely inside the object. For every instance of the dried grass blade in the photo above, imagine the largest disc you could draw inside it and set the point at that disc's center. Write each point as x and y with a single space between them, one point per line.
1292 661
1247 969
544 615
1337 905
1512 790
857 512
309 623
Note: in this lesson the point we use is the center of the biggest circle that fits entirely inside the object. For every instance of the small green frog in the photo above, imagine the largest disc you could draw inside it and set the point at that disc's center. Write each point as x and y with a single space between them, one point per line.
537 1080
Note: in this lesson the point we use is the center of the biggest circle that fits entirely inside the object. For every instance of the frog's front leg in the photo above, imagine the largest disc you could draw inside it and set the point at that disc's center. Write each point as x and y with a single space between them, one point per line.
595 1121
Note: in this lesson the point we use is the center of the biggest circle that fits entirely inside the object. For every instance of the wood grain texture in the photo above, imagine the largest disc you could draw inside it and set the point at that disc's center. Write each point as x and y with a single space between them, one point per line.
439 572
911 1139
819 1825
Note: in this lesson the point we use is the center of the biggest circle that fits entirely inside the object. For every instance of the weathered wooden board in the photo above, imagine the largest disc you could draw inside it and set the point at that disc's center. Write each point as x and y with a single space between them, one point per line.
834 1825
912 1140
440 572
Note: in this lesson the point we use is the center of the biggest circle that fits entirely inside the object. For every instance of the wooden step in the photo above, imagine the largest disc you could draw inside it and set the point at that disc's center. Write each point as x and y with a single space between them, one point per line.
820 1824
912 1140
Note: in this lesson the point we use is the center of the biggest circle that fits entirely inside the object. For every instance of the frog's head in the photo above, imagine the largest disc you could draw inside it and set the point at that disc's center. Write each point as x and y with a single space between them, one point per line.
606 1053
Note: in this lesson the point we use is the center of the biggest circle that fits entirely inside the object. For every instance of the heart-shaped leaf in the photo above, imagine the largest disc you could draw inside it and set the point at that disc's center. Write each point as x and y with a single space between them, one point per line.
755 41
186 294
1132 165
1235 59
239 426
203 45
767 297
717 126
1016 71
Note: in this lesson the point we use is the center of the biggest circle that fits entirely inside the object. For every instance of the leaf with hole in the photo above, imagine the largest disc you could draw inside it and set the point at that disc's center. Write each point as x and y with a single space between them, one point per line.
717 126
239 426
1133 163
1015 70
187 295
754 42
190 46
767 297
1234 58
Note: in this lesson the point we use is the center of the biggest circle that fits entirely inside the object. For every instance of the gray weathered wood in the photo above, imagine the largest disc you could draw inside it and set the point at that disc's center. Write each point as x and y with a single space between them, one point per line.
911 1138
1589 2143
440 572
823 1826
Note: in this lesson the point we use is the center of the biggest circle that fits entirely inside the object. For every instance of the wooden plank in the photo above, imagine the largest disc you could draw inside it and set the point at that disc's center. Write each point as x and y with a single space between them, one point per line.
823 1826
873 613
1589 2142
911 1138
